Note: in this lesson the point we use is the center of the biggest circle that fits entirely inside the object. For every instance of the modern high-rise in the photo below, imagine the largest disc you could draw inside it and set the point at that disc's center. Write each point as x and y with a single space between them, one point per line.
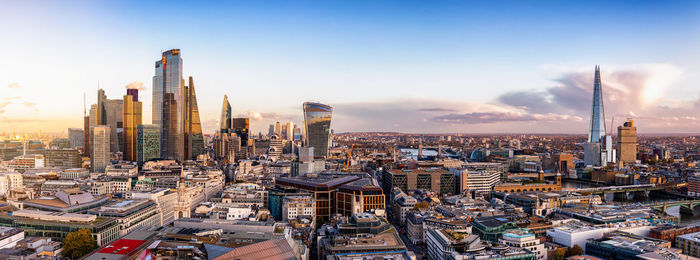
241 126
317 127
598 149
109 112
167 110
290 131
278 129
147 143
99 152
193 139
86 135
627 142
76 137
132 113
225 116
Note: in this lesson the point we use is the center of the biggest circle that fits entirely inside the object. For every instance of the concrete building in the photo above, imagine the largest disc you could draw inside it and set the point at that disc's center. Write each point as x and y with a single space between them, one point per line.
523 239
477 181
130 214
689 243
100 150
10 236
621 245
63 158
627 143
37 223
359 196
76 138
575 233
323 188
74 174
294 206
432 179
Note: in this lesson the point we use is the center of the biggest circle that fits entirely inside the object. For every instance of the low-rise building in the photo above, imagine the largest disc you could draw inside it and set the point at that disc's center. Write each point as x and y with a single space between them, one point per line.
57 225
9 236
294 206
689 243
130 214
521 238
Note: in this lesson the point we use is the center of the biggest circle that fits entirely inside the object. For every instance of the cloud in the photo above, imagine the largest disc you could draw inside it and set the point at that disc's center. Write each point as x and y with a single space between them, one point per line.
13 85
12 98
29 104
135 85
437 109
496 117
266 116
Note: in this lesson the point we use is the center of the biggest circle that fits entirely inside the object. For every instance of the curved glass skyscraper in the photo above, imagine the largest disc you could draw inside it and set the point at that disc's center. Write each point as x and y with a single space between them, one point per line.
317 127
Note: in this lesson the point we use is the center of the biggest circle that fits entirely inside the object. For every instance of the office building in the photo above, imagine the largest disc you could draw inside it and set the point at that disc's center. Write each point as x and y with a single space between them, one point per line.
86 135
323 188
317 127
689 243
225 121
167 111
432 179
621 245
193 139
99 152
521 238
627 143
75 138
62 158
132 112
364 232
37 223
476 180
109 113
300 205
130 214
491 228
241 126
598 148
147 143
694 184
359 196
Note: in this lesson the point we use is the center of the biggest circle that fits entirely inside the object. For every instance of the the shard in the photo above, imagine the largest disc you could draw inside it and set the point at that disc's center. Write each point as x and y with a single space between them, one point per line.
597 127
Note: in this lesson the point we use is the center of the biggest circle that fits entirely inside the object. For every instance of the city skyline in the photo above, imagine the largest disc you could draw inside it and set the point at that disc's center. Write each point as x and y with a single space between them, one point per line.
427 69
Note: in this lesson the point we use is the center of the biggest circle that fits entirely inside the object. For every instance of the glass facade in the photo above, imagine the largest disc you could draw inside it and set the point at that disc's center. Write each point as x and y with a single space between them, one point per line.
241 126
317 127
193 137
225 116
167 84
132 110
597 112
148 143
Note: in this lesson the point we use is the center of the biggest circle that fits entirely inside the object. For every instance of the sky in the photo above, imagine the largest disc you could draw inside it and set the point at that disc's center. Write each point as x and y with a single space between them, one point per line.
404 66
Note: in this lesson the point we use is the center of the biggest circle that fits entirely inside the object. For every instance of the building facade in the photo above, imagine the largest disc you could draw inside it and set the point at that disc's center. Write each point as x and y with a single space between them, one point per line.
99 153
317 127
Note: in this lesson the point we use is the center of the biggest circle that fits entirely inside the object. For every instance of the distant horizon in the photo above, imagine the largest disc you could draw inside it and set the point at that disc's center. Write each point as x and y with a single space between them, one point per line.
408 66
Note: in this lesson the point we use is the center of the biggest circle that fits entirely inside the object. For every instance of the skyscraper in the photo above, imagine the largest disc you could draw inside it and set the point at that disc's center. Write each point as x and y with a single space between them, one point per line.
241 126
132 113
290 131
317 127
193 139
597 127
225 116
598 150
147 143
278 129
99 152
167 84
627 142
75 137
109 112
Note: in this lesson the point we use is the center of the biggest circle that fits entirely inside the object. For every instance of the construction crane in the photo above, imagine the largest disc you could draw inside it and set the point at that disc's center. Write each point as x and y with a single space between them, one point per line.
348 157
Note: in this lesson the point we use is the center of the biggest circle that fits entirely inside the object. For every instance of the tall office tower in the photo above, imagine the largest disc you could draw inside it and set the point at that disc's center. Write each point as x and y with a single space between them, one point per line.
109 112
317 127
167 84
193 139
597 127
627 142
241 126
271 130
278 129
283 133
132 109
290 131
86 135
598 149
296 133
225 116
147 143
99 152
75 137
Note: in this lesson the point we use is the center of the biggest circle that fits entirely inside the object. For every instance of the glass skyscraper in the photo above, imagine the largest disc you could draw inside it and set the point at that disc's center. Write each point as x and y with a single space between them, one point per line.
225 116
132 110
167 113
317 127
597 129
193 141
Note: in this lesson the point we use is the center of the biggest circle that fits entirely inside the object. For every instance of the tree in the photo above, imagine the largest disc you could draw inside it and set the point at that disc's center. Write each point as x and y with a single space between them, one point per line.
559 254
78 243
572 251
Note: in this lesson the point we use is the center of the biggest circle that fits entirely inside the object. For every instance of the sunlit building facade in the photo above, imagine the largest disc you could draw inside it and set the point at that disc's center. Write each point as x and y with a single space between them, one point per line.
225 116
132 109
193 141
167 84
317 127
99 152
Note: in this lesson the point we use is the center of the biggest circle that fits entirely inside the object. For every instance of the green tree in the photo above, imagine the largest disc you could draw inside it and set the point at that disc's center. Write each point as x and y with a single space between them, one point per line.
559 254
78 243
572 251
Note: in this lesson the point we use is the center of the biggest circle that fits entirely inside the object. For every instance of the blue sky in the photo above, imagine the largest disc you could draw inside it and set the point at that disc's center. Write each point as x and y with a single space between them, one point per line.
410 66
